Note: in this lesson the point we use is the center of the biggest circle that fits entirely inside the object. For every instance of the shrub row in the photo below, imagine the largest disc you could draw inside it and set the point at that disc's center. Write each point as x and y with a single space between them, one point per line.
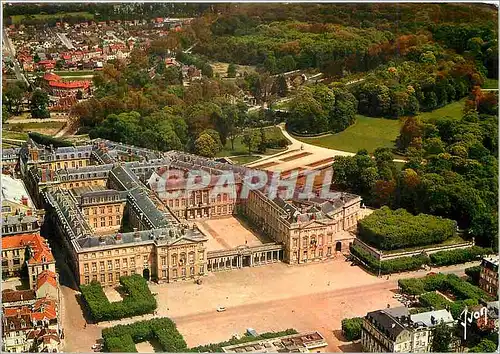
352 328
139 300
401 264
122 338
443 282
444 258
217 347
434 300
389 229
48 140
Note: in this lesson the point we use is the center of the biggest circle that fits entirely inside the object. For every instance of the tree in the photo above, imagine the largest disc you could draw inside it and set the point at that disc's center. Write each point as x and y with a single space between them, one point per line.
280 87
5 113
262 141
250 140
13 97
411 129
231 70
442 338
38 104
205 145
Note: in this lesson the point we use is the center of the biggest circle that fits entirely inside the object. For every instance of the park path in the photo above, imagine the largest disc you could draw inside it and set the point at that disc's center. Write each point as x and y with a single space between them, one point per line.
316 152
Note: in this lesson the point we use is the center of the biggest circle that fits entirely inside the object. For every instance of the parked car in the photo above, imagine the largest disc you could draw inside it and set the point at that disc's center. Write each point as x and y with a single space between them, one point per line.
221 309
252 332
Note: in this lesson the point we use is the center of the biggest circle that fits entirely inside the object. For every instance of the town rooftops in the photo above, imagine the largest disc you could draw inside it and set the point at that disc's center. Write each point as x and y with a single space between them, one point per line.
70 84
432 318
14 190
9 295
40 250
491 262
46 277
48 76
302 342
391 322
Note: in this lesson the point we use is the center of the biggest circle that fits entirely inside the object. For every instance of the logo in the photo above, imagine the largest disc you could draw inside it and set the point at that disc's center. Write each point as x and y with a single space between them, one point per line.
467 318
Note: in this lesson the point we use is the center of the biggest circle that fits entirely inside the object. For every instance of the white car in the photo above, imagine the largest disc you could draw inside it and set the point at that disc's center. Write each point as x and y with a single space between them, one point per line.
221 309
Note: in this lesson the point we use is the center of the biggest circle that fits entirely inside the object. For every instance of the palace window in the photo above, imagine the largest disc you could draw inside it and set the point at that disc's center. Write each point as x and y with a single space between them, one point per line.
191 271
183 272
174 273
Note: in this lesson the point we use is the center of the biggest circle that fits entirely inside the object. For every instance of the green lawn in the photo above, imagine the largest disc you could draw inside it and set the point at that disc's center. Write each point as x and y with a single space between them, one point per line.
370 133
241 149
26 127
490 84
367 133
14 135
454 110
18 18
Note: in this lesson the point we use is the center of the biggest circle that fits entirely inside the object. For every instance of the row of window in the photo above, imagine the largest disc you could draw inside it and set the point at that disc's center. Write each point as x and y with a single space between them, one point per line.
312 254
102 210
111 222
190 249
164 274
124 262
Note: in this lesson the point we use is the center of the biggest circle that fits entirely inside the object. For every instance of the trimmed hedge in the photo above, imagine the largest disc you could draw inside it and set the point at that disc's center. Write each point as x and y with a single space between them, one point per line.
401 264
464 255
473 273
139 301
466 293
434 300
352 328
122 338
48 140
389 229
217 347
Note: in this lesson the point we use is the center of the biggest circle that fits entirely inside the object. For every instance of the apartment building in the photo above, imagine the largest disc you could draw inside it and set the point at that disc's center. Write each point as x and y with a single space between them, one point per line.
488 277
31 250
395 330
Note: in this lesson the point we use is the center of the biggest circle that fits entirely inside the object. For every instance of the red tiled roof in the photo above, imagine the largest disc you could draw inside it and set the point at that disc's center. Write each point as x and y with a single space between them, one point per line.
45 62
51 77
70 84
46 276
40 250
9 295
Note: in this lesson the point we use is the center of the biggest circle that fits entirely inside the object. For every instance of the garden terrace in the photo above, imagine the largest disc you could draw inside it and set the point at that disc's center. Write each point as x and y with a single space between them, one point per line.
389 229
139 300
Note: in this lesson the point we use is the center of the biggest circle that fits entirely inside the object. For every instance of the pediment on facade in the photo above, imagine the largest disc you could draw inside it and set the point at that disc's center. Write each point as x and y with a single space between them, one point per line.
184 240
313 224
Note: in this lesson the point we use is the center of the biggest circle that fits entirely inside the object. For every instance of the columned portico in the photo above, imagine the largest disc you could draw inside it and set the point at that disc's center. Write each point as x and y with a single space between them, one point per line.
244 256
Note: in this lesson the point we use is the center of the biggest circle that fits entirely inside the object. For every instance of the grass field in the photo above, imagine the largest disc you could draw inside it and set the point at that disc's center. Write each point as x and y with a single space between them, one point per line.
48 128
241 149
370 133
18 18
454 110
14 135
490 84
367 133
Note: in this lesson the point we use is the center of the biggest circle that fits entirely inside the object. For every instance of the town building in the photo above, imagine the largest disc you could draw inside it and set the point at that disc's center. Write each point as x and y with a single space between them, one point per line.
31 327
309 342
31 250
488 276
15 198
395 330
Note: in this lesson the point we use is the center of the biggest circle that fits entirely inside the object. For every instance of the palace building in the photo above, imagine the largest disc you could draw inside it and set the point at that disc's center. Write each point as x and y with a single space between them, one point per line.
111 205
